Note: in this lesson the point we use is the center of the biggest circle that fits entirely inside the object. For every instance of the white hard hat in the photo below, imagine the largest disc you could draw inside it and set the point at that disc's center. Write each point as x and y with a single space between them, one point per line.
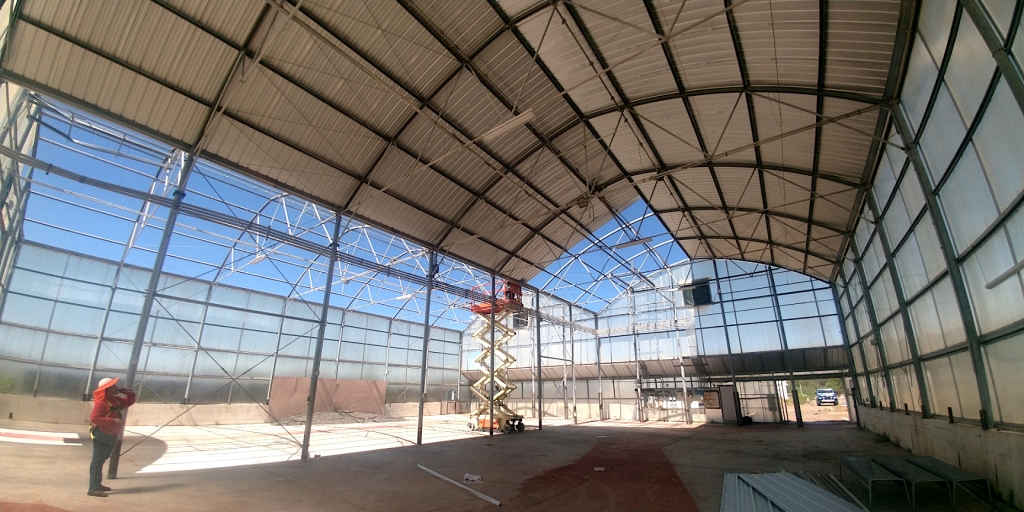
106 383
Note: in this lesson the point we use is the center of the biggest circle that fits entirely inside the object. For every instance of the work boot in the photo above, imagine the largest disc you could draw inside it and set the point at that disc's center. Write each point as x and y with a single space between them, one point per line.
104 488
98 493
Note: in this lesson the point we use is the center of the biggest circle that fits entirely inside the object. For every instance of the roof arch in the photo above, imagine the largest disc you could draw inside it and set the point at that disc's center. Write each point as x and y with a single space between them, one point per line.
750 129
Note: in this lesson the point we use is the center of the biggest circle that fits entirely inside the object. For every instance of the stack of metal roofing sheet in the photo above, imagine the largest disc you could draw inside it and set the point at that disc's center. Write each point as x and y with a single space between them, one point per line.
778 492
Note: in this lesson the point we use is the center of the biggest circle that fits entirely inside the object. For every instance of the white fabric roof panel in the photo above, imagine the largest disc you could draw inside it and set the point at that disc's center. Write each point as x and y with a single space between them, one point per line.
628 99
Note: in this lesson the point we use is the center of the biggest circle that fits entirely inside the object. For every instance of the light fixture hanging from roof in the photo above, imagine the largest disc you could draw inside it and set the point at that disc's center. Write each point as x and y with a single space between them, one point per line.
631 243
503 128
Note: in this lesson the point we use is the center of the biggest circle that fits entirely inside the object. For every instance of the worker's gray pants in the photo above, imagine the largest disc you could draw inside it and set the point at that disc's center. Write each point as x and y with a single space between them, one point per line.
102 444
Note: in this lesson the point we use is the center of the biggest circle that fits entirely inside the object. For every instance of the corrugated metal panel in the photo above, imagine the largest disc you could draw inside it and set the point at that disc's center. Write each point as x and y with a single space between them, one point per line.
469 248
512 70
493 226
619 32
703 52
328 71
658 195
231 19
775 118
466 24
405 177
697 186
741 187
844 151
551 178
678 224
755 251
620 133
398 216
561 232
429 139
725 126
581 149
834 205
860 43
780 41
540 251
514 8
392 39
714 223
786 231
144 36
275 106
563 49
520 270
787 192
725 248
670 131
750 225
95 81
513 196
786 257
268 157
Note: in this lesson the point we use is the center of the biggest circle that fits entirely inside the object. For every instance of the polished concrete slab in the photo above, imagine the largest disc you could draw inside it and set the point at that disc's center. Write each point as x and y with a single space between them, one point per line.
374 466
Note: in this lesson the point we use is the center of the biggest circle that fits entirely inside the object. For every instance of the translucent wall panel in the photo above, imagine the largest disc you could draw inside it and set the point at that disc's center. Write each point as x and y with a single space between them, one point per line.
951 384
970 67
1003 304
905 388
1005 359
998 146
967 201
936 319
919 259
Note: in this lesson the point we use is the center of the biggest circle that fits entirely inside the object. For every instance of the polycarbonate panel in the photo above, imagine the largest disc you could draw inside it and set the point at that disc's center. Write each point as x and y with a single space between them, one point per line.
905 387
1004 360
942 136
934 24
967 201
922 73
970 67
1000 152
1003 304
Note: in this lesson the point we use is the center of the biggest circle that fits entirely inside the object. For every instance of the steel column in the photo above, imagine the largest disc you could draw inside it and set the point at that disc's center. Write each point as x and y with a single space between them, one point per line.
147 304
600 390
1000 49
785 346
432 269
315 373
901 300
849 352
952 263
572 362
540 373
682 370
876 331
725 327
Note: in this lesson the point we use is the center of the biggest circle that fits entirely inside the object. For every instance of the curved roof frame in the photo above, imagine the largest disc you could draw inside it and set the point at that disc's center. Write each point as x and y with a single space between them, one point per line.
689 107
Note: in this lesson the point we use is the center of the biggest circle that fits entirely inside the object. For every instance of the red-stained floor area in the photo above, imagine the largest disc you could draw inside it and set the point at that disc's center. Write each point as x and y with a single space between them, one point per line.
637 476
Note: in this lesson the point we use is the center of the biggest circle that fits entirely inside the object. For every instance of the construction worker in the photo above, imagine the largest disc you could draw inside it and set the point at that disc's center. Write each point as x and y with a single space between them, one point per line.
107 424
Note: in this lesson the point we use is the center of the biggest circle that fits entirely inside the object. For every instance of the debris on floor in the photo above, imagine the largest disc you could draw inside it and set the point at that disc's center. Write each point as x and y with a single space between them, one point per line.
471 479
599 468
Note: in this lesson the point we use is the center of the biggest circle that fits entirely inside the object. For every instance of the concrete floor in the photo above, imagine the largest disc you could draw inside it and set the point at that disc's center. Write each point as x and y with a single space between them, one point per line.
659 466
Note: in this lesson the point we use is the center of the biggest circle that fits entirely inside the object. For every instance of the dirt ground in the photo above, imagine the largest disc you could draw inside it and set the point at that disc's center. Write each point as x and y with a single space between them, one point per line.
812 412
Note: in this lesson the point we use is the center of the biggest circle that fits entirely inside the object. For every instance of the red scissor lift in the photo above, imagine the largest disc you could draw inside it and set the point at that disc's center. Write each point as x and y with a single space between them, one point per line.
509 300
